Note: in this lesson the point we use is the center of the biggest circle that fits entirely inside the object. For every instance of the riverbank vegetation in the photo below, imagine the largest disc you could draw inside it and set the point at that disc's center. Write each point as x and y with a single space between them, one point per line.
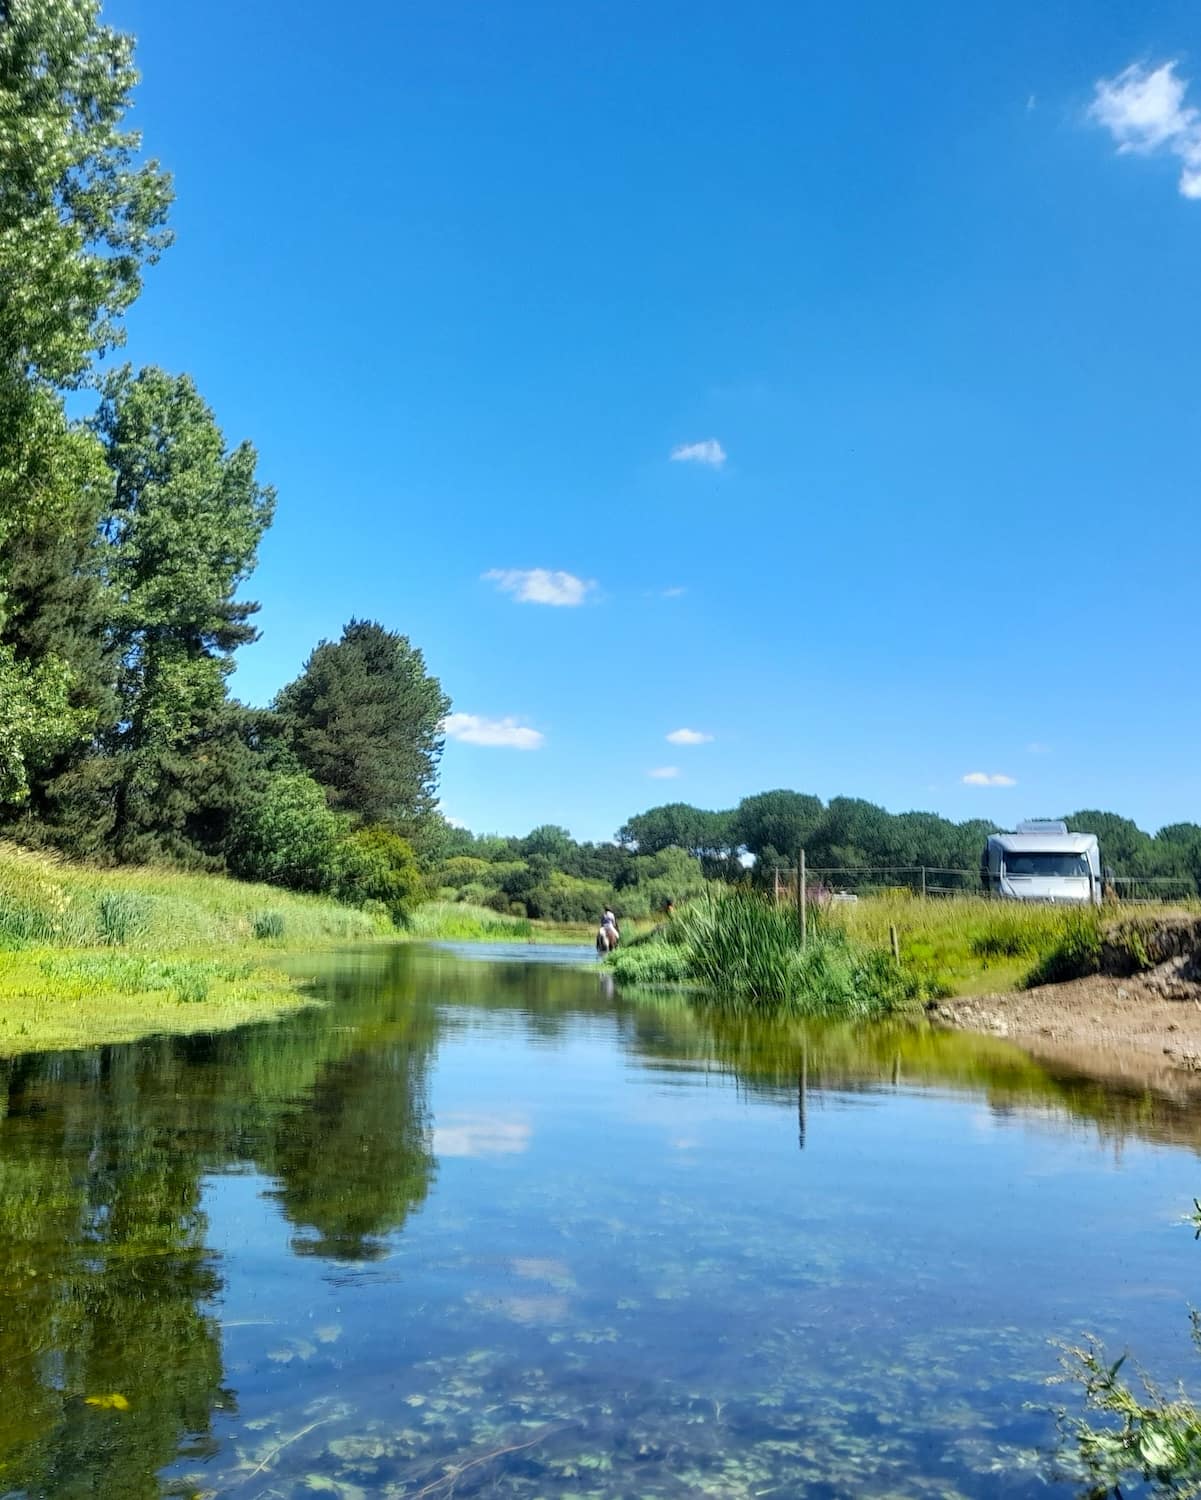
92 955
671 853
745 953
744 950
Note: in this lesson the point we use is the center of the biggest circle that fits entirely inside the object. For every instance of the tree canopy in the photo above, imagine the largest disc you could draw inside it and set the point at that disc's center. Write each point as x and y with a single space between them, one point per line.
364 718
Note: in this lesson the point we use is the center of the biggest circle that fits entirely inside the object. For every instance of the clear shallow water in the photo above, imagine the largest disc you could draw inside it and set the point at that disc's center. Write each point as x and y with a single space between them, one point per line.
481 1228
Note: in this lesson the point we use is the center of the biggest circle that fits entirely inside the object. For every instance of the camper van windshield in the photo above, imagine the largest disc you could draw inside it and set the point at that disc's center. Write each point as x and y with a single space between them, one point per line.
1070 865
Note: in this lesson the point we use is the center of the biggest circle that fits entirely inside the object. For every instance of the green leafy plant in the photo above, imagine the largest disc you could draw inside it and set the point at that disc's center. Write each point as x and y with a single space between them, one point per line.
1142 1436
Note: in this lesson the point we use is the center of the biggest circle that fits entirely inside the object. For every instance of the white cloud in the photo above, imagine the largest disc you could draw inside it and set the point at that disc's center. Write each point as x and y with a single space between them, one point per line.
1144 111
1036 747
481 1135
987 778
664 773
541 585
677 591
709 452
688 737
473 729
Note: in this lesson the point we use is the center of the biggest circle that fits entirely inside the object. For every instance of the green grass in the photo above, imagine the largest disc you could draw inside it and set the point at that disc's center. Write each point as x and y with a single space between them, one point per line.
969 945
745 955
92 955
742 949
460 922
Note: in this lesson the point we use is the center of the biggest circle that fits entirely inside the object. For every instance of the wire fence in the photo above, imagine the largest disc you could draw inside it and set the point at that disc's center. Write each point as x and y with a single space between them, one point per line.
833 883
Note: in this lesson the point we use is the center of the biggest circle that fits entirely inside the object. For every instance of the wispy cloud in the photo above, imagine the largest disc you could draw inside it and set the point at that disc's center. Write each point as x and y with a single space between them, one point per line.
1036 747
988 778
541 585
677 591
1144 111
664 773
709 452
688 737
508 733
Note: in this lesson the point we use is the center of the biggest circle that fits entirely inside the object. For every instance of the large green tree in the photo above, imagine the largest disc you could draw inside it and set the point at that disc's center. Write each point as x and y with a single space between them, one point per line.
774 825
79 219
364 719
183 525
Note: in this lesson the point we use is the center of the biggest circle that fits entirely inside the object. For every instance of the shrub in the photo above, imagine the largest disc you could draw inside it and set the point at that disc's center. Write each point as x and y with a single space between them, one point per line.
287 836
375 864
268 924
564 898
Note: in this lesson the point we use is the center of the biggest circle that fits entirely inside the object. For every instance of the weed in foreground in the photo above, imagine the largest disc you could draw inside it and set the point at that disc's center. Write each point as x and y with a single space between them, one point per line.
1142 1436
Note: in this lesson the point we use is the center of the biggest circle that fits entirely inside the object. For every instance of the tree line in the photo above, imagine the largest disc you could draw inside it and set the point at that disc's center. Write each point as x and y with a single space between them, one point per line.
848 832
128 526
668 853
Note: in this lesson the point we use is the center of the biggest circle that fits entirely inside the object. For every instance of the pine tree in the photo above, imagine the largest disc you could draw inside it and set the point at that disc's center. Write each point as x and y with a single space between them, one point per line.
364 719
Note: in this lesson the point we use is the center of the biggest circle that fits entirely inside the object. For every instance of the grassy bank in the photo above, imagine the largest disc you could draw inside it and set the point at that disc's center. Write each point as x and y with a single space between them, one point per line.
746 953
968 945
94 955
461 922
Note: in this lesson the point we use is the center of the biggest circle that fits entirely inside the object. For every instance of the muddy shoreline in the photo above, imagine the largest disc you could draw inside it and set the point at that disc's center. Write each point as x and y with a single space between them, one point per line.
1142 1028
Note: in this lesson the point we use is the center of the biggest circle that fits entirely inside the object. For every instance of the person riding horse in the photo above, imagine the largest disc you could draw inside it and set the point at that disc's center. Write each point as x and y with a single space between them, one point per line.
608 936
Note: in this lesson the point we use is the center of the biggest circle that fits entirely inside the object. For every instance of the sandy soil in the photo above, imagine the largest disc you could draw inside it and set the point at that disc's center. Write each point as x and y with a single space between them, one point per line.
1145 1028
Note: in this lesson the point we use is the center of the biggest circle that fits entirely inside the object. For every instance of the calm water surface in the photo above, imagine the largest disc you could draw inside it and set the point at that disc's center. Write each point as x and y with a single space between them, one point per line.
479 1227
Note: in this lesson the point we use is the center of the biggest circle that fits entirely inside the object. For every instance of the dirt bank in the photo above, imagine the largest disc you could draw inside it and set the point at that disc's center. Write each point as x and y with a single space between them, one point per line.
1141 1025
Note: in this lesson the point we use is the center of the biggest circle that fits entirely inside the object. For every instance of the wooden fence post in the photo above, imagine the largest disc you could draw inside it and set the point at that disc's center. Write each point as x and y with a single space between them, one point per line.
894 941
923 882
802 899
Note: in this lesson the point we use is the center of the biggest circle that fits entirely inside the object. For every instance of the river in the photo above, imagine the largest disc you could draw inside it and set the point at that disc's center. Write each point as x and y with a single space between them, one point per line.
481 1226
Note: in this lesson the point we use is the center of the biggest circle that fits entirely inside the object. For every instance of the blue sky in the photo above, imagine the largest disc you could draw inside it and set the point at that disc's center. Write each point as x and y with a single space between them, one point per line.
910 295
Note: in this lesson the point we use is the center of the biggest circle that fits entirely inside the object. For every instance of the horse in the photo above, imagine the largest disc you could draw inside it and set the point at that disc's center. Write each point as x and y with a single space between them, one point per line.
606 940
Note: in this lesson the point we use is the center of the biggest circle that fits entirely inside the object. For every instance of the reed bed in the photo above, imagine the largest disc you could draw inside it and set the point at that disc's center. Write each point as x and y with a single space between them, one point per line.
744 954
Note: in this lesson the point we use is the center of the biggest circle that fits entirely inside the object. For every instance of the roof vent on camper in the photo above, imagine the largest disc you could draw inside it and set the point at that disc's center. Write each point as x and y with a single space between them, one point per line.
1042 825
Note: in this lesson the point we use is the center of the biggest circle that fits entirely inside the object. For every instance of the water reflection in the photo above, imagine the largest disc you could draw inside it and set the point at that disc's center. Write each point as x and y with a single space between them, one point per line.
576 1316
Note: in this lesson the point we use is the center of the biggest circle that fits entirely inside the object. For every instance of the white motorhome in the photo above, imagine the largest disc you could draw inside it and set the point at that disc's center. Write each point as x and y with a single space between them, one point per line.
1042 861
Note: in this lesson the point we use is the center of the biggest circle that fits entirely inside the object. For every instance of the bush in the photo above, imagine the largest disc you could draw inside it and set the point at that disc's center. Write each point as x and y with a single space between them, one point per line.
564 898
375 864
268 924
288 836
